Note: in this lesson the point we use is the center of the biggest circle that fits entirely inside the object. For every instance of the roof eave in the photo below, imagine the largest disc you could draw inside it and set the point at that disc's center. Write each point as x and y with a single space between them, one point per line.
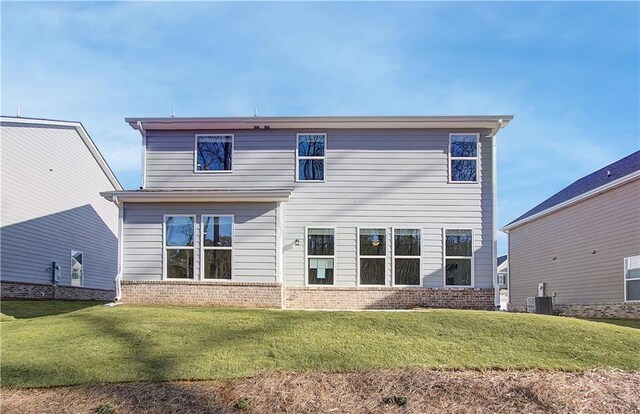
249 196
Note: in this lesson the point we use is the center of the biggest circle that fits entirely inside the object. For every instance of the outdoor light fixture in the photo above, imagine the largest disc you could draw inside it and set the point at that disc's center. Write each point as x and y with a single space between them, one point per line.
297 242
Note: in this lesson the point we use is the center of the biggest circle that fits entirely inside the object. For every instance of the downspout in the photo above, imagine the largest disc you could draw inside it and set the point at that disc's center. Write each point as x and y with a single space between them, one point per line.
494 203
143 168
118 280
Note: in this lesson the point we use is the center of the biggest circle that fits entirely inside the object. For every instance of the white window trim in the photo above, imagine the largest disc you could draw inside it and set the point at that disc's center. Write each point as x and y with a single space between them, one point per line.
307 256
394 256
358 256
445 257
203 248
299 157
71 268
624 278
195 154
165 248
476 158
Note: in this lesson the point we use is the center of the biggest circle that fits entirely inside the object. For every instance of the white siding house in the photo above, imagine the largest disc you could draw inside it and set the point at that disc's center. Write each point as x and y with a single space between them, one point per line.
331 212
52 212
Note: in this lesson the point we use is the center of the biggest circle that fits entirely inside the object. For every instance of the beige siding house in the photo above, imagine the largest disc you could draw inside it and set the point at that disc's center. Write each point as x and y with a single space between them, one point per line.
583 244
312 212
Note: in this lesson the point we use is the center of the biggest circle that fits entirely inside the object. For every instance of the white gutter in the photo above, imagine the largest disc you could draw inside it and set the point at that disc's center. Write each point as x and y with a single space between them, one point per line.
143 167
180 196
573 200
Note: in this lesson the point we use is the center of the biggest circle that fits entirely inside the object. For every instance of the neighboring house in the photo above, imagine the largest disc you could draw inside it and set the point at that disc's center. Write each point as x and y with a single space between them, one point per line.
52 212
503 272
312 212
583 243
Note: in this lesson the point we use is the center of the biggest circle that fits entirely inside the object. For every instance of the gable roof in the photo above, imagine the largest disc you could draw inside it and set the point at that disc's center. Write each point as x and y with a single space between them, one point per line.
84 135
501 260
611 175
492 122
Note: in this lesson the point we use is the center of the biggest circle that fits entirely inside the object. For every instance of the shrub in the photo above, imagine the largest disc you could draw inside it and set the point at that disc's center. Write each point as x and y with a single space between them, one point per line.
242 403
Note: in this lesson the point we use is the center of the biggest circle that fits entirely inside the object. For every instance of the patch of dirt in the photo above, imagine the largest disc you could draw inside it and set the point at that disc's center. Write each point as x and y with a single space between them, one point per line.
412 390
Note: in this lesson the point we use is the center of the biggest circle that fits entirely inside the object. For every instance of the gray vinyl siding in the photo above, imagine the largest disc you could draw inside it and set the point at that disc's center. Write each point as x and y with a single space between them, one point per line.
50 204
374 178
254 242
608 223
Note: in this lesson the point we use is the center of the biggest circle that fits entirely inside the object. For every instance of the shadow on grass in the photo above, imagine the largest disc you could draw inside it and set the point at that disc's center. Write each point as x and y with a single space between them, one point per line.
629 323
26 309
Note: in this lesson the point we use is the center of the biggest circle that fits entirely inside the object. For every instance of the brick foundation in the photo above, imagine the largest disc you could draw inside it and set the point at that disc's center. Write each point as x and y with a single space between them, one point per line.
234 294
387 298
591 310
23 290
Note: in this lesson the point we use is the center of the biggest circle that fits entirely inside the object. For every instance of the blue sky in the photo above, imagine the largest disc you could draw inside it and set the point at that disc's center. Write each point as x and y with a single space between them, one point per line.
569 72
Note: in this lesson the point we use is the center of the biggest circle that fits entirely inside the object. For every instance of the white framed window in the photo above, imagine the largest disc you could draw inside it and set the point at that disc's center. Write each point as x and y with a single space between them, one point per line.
213 153
320 256
372 256
463 157
310 157
502 278
458 257
77 268
178 245
632 279
406 257
217 247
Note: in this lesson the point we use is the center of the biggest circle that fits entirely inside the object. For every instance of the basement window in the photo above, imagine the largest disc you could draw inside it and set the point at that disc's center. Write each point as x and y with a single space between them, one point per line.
179 235
458 257
632 279
320 256
217 247
463 158
214 153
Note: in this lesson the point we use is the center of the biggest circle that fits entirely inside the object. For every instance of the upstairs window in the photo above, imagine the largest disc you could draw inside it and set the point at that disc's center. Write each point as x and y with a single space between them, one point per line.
458 257
217 247
214 153
320 256
406 257
77 273
310 157
463 158
179 235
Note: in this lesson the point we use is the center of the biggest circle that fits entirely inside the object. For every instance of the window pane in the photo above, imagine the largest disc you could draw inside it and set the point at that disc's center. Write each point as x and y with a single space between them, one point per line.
463 170
310 170
217 264
179 231
407 242
372 271
407 271
321 242
458 243
214 153
633 289
372 242
458 272
320 271
76 268
311 145
632 267
464 146
180 263
217 231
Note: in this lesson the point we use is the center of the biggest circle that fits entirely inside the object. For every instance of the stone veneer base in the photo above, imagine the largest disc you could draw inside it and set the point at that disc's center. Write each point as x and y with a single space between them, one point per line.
269 295
24 290
623 310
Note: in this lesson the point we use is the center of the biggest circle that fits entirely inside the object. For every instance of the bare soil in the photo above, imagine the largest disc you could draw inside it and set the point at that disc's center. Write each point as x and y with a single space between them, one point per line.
412 390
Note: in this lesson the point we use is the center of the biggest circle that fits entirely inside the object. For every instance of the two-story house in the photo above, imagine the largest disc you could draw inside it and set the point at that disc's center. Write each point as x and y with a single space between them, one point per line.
312 212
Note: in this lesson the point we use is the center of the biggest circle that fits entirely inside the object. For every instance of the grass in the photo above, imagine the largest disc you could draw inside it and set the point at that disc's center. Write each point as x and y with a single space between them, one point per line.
631 323
21 309
154 343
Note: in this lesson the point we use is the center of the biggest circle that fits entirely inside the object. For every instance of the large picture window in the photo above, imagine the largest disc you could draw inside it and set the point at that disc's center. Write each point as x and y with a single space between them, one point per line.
310 157
179 235
320 256
463 157
217 245
458 257
406 257
632 279
372 256
214 153
77 271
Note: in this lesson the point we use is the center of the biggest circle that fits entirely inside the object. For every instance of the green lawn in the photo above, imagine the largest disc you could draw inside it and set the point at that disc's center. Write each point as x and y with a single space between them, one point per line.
143 343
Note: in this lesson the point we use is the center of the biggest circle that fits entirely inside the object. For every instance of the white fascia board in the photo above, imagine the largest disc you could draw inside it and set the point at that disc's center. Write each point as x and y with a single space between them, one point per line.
574 200
85 138
255 196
